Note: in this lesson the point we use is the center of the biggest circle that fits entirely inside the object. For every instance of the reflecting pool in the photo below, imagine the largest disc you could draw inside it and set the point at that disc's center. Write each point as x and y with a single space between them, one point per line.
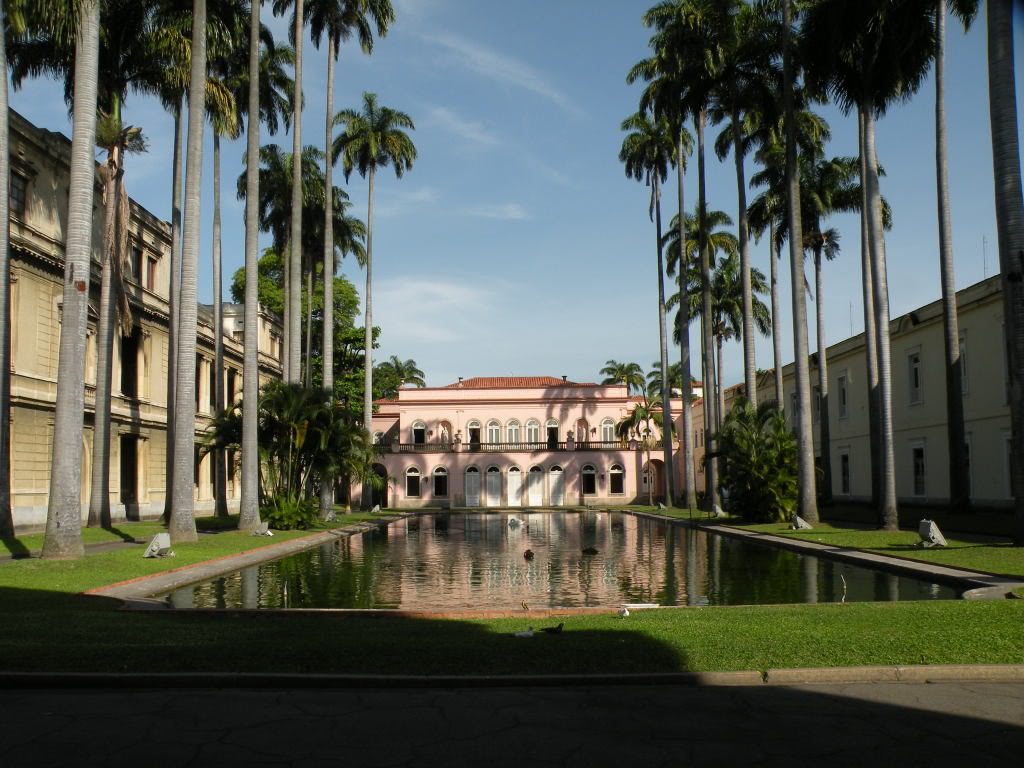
479 561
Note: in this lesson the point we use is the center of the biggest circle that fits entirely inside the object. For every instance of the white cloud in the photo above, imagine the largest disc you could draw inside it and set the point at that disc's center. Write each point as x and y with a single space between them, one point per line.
397 202
427 310
470 130
502 68
503 211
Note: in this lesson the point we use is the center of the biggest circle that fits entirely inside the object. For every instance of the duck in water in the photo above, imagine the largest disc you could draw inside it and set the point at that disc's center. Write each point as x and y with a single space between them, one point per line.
528 554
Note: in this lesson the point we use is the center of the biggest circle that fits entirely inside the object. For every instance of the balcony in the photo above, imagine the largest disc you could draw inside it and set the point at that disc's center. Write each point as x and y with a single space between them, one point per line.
566 446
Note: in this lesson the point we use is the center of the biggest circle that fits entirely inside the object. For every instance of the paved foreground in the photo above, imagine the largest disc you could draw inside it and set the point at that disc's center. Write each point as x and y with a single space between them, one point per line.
969 724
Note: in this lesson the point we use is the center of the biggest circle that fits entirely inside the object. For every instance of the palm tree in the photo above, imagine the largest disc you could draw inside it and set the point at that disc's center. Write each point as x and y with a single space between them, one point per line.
629 374
64 509
869 55
1009 225
336 20
182 524
372 139
293 309
637 423
647 152
6 519
959 469
406 371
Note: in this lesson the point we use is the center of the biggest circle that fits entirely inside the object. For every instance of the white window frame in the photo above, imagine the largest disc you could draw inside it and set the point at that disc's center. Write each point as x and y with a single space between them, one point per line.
493 431
532 431
588 469
616 469
915 395
914 445
441 472
608 431
410 473
418 424
512 431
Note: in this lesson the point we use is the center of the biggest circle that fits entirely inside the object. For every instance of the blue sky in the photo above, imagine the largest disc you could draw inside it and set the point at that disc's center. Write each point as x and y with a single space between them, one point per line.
516 245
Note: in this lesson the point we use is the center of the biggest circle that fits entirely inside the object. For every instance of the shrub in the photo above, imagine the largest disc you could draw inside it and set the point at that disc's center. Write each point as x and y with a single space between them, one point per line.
283 514
759 467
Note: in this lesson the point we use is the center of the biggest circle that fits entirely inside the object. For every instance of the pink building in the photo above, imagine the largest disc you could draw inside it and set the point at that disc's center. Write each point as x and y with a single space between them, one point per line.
527 441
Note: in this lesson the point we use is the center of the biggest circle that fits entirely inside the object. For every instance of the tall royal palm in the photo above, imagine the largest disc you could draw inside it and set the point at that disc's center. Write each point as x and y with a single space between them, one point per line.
64 508
1009 226
647 153
869 55
293 272
182 525
6 518
372 138
337 21
630 374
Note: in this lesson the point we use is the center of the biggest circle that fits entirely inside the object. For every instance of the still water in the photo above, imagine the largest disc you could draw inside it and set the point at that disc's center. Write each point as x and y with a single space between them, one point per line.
476 561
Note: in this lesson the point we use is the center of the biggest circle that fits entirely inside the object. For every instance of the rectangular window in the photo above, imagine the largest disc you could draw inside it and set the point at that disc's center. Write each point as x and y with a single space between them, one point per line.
844 473
137 263
419 435
412 486
151 267
130 363
616 485
129 469
914 376
18 196
589 483
917 453
841 390
441 486
816 414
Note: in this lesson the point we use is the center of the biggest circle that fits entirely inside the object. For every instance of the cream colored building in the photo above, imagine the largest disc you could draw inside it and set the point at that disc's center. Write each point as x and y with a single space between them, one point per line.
38 221
919 403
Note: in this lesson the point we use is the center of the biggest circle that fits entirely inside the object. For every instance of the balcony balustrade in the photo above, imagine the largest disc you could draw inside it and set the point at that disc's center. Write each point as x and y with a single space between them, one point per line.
563 446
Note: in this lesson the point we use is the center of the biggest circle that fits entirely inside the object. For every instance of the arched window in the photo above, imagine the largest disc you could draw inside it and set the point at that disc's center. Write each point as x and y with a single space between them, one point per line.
412 483
473 433
533 431
441 482
512 432
616 479
588 477
493 431
551 432
608 431
419 433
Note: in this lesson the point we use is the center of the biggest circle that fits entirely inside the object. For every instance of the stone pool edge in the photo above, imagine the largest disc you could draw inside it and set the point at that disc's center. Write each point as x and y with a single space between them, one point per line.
976 585
138 593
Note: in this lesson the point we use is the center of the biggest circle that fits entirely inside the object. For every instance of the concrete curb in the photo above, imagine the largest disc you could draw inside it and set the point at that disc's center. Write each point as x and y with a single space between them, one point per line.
996 673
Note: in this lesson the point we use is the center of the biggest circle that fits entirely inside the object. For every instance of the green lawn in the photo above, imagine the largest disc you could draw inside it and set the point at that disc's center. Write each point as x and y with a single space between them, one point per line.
48 627
976 553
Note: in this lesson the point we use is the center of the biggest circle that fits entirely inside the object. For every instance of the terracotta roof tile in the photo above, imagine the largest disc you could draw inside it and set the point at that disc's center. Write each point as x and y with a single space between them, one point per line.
514 382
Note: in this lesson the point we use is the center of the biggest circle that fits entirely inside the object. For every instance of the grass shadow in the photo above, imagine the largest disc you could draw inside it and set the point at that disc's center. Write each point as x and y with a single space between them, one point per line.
15 547
124 535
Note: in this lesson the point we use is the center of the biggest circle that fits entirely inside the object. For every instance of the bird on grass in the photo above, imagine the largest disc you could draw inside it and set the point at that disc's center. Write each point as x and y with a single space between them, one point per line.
623 612
553 630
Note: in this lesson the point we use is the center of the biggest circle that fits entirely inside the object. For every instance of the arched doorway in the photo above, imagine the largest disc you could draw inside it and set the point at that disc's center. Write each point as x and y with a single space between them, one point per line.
493 487
515 487
652 480
472 487
379 489
556 486
535 487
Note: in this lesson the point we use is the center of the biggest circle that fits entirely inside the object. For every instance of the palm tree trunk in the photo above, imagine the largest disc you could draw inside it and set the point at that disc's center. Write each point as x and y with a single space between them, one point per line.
327 481
807 507
99 492
710 419
64 506
286 314
6 517
368 337
666 388
220 485
720 409
1009 227
689 479
749 355
959 495
870 333
887 482
182 525
294 295
307 369
774 256
173 300
823 415
249 507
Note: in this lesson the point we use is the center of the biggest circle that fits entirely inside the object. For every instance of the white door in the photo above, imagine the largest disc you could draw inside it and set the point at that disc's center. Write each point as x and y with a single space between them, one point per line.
557 487
515 487
535 487
472 487
493 487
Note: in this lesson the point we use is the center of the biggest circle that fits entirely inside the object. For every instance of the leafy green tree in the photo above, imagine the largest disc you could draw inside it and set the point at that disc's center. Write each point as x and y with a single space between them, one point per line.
759 469
397 372
372 138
